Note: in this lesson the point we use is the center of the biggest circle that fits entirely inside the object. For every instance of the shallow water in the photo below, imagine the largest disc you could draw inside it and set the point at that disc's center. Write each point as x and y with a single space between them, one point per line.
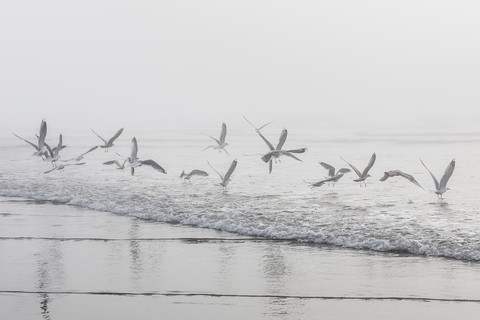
384 216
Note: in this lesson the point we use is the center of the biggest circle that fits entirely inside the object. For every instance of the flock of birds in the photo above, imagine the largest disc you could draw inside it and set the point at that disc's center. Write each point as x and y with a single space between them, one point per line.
51 155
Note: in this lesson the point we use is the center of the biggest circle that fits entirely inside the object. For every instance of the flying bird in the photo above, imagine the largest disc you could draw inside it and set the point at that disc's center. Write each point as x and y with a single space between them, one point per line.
276 152
221 144
52 155
80 157
195 172
441 188
395 173
109 143
40 148
226 178
134 162
362 176
333 176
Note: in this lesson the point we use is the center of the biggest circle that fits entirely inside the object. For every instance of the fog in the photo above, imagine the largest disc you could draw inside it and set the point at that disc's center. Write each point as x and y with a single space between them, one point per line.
193 64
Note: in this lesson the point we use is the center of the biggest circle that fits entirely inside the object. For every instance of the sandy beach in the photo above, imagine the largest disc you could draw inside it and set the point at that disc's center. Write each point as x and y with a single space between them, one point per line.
65 262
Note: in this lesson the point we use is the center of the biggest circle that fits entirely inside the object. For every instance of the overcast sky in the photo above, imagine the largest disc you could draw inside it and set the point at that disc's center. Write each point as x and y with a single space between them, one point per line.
182 63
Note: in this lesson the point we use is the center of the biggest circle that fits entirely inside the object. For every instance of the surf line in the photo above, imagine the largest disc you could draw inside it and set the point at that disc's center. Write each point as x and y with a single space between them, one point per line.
223 295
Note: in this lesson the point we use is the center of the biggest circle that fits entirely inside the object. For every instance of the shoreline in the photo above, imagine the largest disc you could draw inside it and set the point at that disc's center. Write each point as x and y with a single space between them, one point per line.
71 262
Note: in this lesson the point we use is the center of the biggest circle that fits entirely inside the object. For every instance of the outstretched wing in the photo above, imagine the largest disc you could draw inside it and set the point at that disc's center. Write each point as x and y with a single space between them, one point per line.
369 165
30 143
198 173
410 178
112 162
223 134
154 165
230 170
448 173
266 141
386 175
104 141
257 129
287 153
221 177
43 134
133 155
119 132
359 174
331 169
282 139
437 185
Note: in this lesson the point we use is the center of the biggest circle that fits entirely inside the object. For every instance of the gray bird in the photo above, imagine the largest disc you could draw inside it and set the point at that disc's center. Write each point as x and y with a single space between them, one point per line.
362 176
441 188
395 173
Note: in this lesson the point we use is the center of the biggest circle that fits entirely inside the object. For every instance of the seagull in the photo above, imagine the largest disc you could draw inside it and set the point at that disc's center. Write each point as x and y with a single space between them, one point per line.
62 166
362 176
394 173
332 176
331 179
41 147
221 144
226 178
109 143
80 157
257 130
119 166
331 171
195 172
277 152
441 188
52 154
135 162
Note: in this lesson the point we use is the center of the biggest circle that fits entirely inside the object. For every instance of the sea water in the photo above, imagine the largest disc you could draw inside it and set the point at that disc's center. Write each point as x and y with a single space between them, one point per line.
394 215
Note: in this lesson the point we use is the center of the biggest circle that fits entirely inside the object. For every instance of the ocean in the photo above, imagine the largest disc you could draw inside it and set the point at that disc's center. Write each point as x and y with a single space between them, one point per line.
391 216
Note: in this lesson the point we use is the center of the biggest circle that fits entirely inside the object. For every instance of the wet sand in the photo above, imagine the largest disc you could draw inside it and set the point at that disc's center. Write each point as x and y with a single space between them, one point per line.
65 262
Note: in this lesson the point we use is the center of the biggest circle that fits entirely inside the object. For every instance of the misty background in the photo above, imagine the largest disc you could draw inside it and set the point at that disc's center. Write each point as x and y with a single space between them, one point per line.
321 65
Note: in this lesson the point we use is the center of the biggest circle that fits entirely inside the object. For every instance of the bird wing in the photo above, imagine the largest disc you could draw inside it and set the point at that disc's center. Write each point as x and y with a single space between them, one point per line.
270 166
331 169
223 134
301 150
448 173
50 151
112 162
359 174
198 173
216 140
43 134
409 177
266 141
59 147
221 177
369 165
334 178
230 170
154 165
282 139
119 132
437 185
256 129
287 153
386 175
50 170
30 143
104 141
133 155
89 150
343 170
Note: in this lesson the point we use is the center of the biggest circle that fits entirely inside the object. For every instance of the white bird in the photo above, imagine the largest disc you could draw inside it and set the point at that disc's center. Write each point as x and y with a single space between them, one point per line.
395 173
109 143
332 175
135 162
119 166
226 178
332 179
362 176
52 155
62 166
257 130
221 144
441 188
277 152
195 172
40 148
80 157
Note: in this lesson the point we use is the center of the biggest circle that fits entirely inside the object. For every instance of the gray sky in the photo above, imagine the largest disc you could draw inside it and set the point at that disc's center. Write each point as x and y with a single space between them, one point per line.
196 63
